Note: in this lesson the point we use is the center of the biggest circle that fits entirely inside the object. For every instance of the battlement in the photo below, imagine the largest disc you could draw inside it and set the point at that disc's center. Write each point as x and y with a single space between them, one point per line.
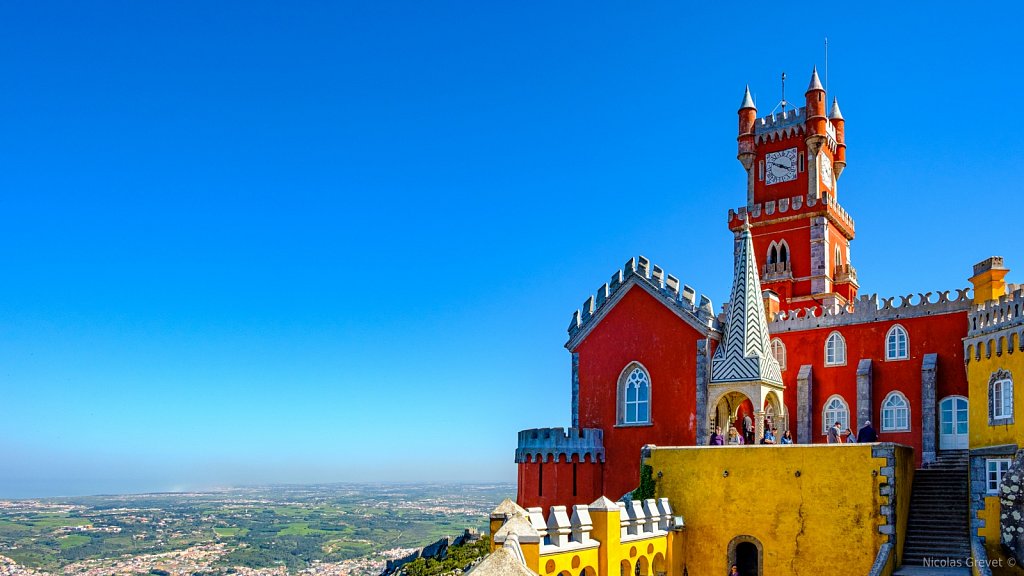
868 309
794 205
667 286
776 124
560 532
545 444
995 315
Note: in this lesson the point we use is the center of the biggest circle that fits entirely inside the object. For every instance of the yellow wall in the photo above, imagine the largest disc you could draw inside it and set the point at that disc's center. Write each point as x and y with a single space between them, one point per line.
978 374
826 516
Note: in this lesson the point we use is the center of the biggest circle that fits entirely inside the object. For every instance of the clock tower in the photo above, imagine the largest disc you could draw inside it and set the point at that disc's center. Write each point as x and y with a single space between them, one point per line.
801 235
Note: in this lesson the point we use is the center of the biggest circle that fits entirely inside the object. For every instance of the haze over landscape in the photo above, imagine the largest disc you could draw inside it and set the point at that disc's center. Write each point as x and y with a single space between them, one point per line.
248 243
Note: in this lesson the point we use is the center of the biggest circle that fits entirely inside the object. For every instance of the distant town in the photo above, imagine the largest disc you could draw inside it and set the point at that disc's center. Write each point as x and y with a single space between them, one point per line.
323 530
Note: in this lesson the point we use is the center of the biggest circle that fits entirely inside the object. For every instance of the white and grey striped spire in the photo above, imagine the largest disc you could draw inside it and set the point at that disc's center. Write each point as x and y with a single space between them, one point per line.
744 353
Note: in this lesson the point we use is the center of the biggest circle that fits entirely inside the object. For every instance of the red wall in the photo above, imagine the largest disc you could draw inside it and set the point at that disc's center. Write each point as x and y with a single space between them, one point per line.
639 328
940 334
559 488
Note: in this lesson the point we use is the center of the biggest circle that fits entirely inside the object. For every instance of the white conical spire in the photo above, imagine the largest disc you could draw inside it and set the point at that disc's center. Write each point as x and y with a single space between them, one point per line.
748 102
835 113
815 82
744 353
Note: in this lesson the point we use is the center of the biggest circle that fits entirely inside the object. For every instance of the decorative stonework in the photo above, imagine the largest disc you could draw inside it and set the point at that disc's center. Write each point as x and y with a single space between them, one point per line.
546 444
929 367
1011 506
1005 376
870 308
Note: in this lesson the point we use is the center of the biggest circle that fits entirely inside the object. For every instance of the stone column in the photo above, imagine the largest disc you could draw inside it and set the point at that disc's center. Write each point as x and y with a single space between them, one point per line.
804 405
864 398
758 426
703 410
928 406
575 390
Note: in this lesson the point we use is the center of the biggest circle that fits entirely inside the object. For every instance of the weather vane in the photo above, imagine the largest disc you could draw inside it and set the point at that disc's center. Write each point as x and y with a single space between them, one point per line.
783 91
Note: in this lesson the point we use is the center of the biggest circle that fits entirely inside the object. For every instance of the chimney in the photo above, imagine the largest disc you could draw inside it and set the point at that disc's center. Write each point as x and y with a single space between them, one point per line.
771 305
988 279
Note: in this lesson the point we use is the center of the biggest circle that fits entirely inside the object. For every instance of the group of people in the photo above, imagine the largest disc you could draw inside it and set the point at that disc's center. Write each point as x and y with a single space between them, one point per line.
834 435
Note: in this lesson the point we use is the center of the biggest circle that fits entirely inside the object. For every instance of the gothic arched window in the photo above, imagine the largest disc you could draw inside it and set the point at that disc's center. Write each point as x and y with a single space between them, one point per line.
896 344
783 252
779 352
835 350
1000 398
895 413
836 410
634 395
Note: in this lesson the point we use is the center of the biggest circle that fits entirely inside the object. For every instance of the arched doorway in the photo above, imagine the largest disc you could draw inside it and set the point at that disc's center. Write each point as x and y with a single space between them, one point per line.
747 554
730 410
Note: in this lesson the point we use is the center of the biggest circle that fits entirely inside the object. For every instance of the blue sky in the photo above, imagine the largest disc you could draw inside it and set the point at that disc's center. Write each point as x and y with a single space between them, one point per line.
248 242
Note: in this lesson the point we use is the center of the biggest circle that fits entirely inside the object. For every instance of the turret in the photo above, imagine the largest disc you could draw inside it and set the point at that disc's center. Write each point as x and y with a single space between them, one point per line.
815 97
747 114
836 117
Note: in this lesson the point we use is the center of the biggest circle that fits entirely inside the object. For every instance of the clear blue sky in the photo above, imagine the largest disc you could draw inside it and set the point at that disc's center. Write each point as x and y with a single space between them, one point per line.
249 242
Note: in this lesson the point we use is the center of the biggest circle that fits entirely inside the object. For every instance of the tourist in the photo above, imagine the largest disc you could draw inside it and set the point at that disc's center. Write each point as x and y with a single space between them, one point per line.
748 429
867 433
734 436
851 436
787 438
734 571
769 436
832 436
716 438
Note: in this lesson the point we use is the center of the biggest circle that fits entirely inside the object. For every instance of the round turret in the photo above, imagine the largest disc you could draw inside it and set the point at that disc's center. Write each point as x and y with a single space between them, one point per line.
815 98
835 116
745 139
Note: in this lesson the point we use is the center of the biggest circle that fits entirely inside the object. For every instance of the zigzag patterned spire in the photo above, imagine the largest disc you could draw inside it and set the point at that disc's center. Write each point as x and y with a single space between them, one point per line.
744 353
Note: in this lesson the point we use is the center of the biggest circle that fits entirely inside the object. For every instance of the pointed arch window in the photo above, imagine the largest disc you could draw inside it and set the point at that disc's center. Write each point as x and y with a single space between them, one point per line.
836 410
1000 398
779 352
634 396
835 350
896 344
773 253
895 413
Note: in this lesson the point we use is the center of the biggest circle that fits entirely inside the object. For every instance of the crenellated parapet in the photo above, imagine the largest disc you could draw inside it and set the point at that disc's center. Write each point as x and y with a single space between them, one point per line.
559 444
788 123
668 288
869 308
996 326
795 206
996 315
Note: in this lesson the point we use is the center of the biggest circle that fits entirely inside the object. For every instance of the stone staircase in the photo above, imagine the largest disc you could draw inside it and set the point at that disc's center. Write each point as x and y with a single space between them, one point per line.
937 528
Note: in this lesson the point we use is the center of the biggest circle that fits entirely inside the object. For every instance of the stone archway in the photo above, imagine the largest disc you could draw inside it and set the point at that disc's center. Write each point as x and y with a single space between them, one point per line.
747 554
774 408
729 410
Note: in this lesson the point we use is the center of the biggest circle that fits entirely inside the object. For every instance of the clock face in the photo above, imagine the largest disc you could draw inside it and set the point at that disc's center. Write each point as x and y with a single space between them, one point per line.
826 171
781 166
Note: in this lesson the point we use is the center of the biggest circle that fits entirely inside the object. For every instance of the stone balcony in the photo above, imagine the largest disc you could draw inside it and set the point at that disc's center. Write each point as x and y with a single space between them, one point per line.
845 274
776 272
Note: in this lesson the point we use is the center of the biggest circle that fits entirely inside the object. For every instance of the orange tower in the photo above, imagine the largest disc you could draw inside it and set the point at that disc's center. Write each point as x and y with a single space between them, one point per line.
801 234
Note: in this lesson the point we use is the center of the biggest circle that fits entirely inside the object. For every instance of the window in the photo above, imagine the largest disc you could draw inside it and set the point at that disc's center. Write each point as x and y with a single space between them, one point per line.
836 410
635 396
773 254
760 170
1000 398
800 161
895 413
779 352
835 350
994 470
783 252
839 258
896 343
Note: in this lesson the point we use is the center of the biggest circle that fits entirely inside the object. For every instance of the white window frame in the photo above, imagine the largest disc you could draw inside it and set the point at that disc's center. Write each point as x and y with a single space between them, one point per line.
1002 399
995 468
634 374
838 356
894 411
829 414
779 352
892 343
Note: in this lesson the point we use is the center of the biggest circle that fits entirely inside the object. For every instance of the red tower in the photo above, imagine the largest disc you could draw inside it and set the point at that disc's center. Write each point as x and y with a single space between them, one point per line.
793 160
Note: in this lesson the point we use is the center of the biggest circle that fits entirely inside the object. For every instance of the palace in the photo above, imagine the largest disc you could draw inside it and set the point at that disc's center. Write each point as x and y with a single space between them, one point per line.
655 370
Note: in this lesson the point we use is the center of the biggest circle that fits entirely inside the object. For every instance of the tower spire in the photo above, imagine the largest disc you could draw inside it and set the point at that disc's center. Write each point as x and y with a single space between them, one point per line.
748 102
815 81
744 354
835 113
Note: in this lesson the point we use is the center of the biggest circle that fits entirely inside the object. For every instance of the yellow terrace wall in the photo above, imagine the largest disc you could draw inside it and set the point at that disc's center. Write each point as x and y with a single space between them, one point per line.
810 507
